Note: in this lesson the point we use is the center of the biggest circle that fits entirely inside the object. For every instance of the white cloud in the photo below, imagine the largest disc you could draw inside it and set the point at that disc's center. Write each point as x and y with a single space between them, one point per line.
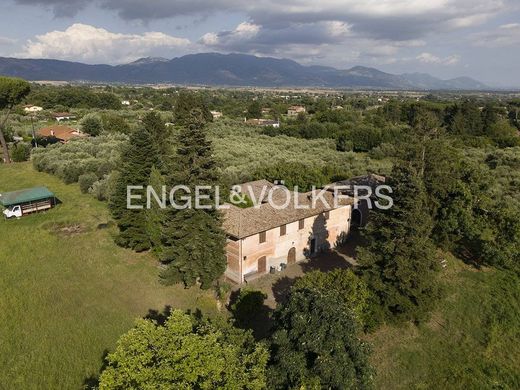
244 32
505 35
91 44
429 58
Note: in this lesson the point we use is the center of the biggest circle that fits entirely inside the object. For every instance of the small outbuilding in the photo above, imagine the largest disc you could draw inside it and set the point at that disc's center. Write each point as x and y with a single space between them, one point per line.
22 202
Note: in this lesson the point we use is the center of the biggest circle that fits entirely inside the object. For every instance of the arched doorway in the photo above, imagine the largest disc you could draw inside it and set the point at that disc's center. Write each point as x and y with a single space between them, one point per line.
262 265
356 219
291 256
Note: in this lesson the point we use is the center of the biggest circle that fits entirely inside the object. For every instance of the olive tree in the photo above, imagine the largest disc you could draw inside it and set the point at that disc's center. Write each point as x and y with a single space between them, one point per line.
12 92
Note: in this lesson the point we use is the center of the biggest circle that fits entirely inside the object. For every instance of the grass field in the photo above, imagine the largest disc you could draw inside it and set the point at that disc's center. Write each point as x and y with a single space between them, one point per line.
471 342
66 291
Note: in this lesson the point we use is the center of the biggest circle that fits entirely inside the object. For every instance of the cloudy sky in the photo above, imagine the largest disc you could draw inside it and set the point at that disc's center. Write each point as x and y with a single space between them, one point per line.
447 38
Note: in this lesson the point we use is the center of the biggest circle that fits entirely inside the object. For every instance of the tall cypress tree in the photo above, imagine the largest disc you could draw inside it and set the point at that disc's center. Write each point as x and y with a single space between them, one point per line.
154 124
138 158
193 240
399 263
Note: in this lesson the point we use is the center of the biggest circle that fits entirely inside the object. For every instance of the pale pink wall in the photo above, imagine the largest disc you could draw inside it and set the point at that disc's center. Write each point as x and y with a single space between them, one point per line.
276 247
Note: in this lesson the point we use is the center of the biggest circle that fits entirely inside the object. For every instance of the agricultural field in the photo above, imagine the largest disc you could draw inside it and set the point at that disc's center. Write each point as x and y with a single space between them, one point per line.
67 291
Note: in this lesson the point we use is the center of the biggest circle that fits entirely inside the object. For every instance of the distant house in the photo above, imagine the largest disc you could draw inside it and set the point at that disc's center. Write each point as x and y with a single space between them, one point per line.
32 109
62 133
216 114
267 236
263 122
296 110
63 116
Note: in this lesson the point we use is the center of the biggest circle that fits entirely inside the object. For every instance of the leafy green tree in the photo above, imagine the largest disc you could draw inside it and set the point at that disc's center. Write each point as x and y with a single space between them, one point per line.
113 123
503 134
498 244
316 344
186 102
293 174
254 110
107 101
137 160
247 306
185 353
21 152
86 181
193 240
91 124
12 92
344 144
343 284
399 263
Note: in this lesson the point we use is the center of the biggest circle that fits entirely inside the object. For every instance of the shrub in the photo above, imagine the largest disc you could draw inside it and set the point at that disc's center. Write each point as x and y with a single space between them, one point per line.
86 181
91 124
102 188
21 152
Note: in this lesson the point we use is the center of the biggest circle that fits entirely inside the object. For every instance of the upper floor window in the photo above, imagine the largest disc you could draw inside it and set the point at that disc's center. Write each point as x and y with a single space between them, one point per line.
262 237
283 230
301 224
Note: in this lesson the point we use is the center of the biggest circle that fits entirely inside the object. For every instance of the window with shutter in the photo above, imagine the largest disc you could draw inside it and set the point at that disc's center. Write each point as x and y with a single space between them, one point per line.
301 224
262 237
283 230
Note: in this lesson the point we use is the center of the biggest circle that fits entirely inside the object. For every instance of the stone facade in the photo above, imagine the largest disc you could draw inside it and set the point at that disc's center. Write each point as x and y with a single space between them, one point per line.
294 241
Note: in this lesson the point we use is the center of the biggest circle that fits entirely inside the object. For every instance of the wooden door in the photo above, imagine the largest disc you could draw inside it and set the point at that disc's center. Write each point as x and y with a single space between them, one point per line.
291 256
262 265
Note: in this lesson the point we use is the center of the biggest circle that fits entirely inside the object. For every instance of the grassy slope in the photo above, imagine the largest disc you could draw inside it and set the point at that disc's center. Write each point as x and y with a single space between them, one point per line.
64 298
472 341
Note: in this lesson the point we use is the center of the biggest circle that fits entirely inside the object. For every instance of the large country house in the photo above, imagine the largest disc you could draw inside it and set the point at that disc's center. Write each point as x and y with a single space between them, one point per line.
270 236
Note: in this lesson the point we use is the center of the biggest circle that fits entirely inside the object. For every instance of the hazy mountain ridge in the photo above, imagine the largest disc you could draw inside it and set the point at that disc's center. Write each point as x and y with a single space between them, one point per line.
228 70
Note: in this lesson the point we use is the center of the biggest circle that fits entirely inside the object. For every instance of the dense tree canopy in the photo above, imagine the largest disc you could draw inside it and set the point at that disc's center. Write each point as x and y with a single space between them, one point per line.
193 240
399 263
185 353
316 344
138 158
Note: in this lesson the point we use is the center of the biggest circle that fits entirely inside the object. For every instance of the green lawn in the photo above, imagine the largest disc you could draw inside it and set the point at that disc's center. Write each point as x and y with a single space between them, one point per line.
471 342
66 291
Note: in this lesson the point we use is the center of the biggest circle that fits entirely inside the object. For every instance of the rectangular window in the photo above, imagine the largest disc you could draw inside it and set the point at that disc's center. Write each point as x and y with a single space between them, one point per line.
326 215
301 224
262 237
283 230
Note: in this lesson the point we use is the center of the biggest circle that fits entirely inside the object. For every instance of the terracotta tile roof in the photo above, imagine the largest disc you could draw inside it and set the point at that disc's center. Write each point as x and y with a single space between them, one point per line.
241 223
63 133
257 189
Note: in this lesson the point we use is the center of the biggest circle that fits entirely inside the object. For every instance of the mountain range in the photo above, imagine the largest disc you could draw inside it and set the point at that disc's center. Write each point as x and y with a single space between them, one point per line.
228 70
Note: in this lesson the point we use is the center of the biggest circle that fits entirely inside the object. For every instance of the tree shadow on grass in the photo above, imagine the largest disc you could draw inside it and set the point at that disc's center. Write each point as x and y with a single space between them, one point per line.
250 312
159 316
281 289
92 381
